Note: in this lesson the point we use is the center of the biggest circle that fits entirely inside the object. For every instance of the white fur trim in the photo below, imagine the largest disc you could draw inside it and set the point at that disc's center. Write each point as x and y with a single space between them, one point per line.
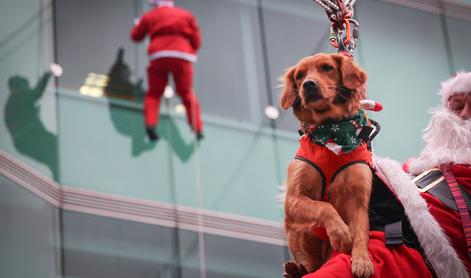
447 139
173 54
460 83
435 243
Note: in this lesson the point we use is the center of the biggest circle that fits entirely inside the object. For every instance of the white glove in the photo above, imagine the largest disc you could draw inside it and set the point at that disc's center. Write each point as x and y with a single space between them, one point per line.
56 69
169 92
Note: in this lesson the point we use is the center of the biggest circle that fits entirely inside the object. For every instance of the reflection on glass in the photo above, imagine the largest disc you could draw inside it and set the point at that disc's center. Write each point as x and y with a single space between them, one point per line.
94 85
118 85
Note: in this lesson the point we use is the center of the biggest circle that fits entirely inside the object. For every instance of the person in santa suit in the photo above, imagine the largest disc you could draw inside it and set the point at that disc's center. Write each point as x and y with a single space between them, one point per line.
174 40
433 202
443 169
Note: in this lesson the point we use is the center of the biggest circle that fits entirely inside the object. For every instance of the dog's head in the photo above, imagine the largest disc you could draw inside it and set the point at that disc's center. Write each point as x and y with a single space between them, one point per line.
323 86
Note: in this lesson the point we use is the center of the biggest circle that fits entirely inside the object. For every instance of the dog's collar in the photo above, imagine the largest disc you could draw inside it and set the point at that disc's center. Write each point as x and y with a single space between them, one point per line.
339 136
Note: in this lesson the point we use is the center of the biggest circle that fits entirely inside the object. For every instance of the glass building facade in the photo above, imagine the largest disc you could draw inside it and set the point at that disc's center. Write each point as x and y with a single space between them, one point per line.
83 193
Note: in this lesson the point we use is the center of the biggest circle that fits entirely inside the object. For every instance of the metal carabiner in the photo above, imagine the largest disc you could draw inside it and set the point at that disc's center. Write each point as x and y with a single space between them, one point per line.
340 14
341 36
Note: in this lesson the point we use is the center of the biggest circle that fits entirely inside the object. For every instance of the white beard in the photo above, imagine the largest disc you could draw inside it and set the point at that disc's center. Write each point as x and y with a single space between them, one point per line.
447 140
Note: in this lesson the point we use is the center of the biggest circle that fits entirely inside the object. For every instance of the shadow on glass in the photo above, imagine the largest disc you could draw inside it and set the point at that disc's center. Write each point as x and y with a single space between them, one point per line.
29 134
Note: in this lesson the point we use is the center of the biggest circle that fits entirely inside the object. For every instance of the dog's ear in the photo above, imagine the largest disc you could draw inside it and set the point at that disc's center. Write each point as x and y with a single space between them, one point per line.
288 96
353 77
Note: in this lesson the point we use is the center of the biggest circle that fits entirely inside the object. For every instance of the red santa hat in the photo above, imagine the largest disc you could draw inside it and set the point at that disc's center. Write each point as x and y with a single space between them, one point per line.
458 84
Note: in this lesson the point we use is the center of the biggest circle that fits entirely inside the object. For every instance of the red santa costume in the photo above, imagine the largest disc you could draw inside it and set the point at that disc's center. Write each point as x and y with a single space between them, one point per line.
448 148
174 40
436 224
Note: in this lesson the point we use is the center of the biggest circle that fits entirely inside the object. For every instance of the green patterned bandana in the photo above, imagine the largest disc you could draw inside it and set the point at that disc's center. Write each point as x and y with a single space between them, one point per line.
340 136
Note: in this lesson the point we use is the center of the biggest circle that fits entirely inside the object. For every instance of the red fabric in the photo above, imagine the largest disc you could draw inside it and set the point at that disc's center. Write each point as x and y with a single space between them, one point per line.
170 28
320 233
182 72
328 162
449 219
397 261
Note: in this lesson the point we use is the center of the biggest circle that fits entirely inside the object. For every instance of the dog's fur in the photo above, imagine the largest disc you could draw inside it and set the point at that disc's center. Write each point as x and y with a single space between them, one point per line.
345 216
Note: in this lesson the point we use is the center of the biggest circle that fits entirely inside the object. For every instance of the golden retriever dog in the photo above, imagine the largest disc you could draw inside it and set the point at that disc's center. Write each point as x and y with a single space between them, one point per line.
326 88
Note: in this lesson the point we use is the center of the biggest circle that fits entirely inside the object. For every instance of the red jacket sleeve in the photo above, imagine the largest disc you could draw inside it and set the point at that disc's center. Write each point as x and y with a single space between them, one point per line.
139 31
195 37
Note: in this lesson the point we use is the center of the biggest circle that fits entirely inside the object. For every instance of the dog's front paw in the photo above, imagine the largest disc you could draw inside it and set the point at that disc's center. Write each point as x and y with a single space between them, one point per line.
340 238
293 270
362 267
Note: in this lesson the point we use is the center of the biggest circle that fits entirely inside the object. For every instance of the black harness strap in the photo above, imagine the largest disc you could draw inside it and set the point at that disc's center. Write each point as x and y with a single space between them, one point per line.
346 166
433 182
318 169
387 214
393 233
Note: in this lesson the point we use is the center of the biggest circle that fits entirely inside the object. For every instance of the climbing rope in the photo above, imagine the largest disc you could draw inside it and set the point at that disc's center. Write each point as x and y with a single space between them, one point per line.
199 197
342 35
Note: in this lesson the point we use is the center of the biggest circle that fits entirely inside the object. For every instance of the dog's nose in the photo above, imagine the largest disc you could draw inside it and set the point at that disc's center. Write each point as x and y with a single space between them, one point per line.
310 85
311 90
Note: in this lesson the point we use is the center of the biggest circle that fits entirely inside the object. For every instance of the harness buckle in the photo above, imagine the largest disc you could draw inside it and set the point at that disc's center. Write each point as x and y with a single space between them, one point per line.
366 133
393 233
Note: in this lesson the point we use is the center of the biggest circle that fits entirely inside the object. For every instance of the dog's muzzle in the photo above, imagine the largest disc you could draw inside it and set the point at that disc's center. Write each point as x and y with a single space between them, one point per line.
311 91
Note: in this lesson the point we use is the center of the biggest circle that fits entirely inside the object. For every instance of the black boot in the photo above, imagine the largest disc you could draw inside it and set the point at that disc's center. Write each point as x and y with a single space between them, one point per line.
199 136
152 134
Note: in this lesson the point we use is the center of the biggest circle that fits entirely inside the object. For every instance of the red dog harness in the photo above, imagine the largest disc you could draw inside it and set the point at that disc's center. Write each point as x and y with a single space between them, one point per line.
328 163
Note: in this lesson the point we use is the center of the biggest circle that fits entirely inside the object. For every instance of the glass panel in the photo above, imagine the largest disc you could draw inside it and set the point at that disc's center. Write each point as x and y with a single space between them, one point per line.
229 73
28 117
458 39
294 29
102 247
233 258
239 166
29 237
92 45
224 82
405 60
232 160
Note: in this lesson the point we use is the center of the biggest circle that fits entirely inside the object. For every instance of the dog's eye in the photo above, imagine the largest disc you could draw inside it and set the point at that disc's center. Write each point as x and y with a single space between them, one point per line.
326 67
299 75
